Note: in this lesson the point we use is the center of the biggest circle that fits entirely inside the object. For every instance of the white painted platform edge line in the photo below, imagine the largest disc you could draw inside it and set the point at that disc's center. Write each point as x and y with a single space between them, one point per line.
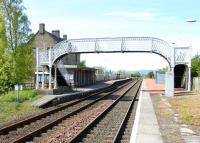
137 116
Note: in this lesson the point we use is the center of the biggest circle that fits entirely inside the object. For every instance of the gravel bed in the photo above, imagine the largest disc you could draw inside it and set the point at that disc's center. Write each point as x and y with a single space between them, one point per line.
73 125
35 125
128 129
15 134
107 128
69 128
169 128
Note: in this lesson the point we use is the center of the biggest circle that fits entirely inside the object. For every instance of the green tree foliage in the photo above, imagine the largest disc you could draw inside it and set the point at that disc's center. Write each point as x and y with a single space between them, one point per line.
135 74
121 72
17 23
18 34
6 67
196 66
18 57
164 69
150 75
24 63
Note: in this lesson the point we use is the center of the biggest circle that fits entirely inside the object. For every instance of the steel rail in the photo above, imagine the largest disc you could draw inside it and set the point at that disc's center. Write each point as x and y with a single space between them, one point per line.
21 123
4 130
34 133
98 118
126 117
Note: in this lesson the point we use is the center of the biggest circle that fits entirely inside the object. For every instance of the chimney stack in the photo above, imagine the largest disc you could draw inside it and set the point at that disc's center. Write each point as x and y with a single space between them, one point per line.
41 28
65 37
56 33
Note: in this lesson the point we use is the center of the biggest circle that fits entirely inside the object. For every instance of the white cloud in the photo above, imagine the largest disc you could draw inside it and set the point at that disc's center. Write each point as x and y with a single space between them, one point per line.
133 14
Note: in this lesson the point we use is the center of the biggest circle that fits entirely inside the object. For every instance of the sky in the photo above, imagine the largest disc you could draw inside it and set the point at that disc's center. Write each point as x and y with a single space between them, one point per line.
164 19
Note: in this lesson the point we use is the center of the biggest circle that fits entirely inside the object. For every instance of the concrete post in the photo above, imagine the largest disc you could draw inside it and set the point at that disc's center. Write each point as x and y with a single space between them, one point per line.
169 82
50 69
189 78
37 67
55 77
50 78
42 77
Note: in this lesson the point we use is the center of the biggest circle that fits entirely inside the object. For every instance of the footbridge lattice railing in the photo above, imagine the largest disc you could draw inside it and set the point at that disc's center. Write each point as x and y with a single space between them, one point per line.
109 45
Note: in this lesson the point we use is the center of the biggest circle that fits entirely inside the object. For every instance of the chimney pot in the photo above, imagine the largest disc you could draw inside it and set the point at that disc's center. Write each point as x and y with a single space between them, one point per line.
65 37
41 28
56 33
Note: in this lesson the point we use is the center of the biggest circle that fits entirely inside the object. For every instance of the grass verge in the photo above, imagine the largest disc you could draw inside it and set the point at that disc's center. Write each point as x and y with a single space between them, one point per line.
188 107
12 108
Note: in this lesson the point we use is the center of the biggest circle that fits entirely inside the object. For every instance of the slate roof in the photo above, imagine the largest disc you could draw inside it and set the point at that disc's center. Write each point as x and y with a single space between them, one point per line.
57 39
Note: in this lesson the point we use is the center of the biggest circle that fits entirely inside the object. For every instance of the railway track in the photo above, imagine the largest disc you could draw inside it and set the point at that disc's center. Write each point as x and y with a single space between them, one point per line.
114 124
32 127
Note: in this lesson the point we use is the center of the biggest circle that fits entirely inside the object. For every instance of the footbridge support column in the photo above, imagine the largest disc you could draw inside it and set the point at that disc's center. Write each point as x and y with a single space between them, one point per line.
50 78
37 70
50 70
189 78
169 83
55 77
42 77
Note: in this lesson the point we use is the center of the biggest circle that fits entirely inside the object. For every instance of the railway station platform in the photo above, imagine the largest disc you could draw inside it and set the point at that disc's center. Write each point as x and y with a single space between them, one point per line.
146 128
49 98
153 87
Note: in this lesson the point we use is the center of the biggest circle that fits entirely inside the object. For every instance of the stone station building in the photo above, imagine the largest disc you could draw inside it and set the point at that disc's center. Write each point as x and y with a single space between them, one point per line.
66 72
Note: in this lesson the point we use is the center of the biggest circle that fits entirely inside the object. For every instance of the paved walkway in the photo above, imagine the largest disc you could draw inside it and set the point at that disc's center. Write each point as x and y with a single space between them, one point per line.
152 86
146 128
48 98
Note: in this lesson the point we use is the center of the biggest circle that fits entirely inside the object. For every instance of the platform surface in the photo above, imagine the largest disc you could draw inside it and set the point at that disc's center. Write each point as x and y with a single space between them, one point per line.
146 128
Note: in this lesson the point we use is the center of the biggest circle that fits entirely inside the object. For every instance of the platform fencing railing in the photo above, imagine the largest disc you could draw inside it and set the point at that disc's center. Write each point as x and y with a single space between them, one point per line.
196 84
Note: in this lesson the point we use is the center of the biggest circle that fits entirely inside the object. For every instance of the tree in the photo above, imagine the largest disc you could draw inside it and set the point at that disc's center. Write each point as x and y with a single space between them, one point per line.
18 34
164 69
135 74
195 66
150 75
121 72
6 67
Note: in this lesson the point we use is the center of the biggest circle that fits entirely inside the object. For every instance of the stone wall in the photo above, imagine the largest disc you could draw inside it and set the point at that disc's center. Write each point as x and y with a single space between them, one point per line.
43 41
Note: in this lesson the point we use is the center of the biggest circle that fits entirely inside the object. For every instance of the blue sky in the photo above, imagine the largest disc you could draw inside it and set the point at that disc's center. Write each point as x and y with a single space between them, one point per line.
163 19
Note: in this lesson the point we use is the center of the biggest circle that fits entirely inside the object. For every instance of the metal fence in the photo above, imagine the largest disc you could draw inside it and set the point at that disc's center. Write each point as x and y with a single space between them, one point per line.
196 84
